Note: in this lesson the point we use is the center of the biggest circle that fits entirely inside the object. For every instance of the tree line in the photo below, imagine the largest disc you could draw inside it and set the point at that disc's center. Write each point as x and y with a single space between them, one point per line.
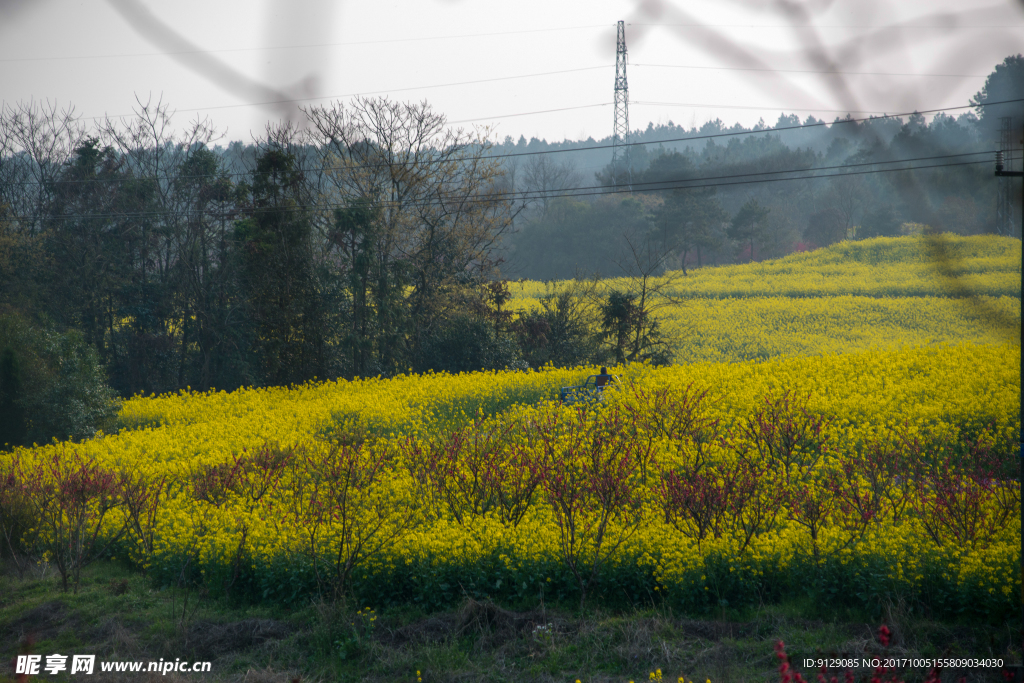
371 239
362 242
338 251
762 216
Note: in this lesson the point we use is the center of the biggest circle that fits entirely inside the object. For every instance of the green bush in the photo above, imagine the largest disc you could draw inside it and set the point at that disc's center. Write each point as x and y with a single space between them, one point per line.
563 333
52 385
466 343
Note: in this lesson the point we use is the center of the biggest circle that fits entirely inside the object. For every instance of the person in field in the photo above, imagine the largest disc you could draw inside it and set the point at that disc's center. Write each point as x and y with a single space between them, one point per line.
603 378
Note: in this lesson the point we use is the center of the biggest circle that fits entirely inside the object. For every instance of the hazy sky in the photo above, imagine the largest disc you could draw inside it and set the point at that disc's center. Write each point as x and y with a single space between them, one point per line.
486 62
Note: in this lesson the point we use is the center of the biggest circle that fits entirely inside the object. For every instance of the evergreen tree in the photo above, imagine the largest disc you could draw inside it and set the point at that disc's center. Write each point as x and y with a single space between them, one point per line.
277 272
12 411
749 224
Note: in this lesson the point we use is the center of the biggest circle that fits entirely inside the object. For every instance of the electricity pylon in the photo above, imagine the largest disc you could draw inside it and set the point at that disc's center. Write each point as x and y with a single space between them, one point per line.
620 131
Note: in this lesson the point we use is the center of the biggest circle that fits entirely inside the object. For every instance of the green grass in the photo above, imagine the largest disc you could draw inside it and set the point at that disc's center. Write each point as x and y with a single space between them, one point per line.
118 615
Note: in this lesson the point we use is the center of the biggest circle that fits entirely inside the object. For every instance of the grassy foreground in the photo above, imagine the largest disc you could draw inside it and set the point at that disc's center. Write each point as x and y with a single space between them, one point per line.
118 616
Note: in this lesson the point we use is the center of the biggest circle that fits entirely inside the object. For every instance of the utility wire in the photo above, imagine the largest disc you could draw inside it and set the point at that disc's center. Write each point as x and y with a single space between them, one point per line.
806 71
482 157
531 113
742 106
640 186
384 92
762 26
729 134
688 183
511 197
777 180
441 85
302 45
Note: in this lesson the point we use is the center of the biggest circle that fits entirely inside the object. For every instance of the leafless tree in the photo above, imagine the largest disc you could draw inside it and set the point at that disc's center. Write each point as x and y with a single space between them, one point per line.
629 314
440 204
37 140
432 184
544 177
153 152
844 197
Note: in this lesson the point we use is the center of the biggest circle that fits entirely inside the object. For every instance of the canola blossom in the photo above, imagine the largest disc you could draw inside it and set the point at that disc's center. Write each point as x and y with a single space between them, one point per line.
932 266
859 478
853 296
767 466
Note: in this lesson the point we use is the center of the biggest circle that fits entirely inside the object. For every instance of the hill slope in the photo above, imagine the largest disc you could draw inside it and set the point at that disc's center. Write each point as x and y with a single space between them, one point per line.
879 293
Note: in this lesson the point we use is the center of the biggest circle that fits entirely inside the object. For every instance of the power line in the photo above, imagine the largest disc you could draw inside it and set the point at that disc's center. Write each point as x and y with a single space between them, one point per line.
757 108
778 180
301 45
371 166
825 26
808 71
641 187
378 92
538 75
816 124
674 183
569 193
519 154
531 113
482 157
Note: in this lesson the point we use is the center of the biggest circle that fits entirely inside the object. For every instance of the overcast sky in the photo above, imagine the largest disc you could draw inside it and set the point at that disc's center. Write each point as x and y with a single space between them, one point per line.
488 63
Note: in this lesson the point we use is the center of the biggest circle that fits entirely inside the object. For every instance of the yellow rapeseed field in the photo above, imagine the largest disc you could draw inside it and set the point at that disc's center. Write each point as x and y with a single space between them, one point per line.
881 474
391 489
940 265
878 293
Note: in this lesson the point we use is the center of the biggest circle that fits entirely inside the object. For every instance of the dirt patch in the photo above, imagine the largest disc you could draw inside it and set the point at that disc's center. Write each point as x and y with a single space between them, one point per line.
488 618
433 629
715 630
209 640
117 638
271 676
41 623
490 625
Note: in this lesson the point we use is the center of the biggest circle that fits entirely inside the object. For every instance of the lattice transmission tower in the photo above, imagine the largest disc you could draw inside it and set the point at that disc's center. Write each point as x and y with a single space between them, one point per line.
620 131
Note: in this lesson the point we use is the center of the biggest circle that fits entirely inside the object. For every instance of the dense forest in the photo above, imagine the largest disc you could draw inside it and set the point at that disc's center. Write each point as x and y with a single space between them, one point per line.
733 202
370 238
